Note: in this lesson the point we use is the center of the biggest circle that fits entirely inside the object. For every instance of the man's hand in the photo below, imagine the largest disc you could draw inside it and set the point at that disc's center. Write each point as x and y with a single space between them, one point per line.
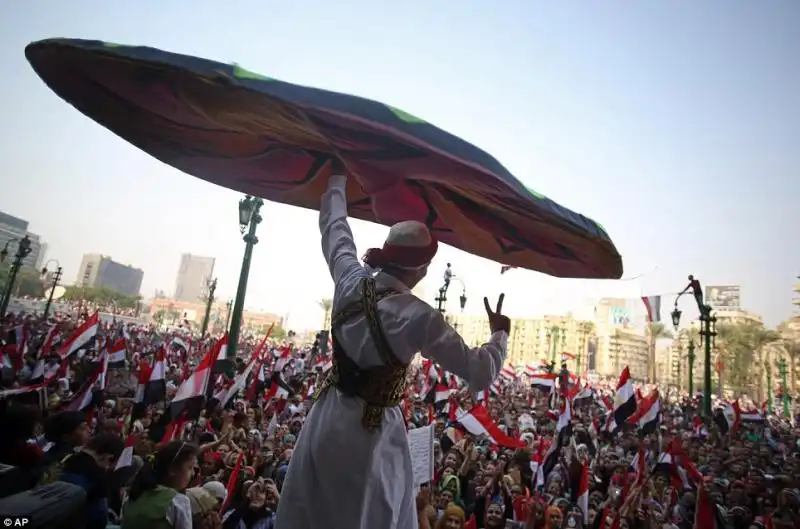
497 321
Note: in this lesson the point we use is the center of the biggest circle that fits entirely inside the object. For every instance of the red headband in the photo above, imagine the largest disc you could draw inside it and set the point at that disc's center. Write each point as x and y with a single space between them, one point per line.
402 256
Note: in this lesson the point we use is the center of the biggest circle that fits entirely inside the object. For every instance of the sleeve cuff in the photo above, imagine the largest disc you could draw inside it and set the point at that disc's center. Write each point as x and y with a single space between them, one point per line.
499 337
337 181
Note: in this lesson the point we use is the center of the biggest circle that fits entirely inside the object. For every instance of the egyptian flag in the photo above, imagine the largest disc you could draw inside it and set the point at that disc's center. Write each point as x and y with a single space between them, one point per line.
192 391
44 350
156 388
233 483
582 395
706 513
581 493
624 398
594 433
698 428
508 374
126 457
545 382
283 359
117 353
483 396
751 416
259 381
175 429
478 422
278 389
80 337
728 418
91 393
563 434
648 416
676 464
239 382
653 306
220 349
139 405
14 347
178 344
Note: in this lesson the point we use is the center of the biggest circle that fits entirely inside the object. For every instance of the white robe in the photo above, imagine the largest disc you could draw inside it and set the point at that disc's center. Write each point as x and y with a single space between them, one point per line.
342 476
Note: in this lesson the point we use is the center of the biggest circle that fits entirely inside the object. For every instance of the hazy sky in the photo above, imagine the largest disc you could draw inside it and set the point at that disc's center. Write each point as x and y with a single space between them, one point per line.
675 124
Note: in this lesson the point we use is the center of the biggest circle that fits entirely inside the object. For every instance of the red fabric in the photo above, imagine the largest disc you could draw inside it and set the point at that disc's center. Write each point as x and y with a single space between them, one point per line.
24 455
404 256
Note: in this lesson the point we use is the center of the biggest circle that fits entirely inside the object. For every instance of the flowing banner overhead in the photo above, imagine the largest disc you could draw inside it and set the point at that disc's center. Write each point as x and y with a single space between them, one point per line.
276 140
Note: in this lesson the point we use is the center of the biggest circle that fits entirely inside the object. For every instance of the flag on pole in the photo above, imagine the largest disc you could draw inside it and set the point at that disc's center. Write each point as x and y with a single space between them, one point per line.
653 306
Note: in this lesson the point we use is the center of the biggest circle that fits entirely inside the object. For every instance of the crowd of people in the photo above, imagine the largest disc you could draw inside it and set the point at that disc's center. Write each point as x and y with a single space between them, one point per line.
159 429
224 464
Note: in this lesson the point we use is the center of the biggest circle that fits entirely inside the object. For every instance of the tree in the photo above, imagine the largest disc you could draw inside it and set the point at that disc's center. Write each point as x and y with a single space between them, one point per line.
742 348
327 305
278 333
101 295
28 282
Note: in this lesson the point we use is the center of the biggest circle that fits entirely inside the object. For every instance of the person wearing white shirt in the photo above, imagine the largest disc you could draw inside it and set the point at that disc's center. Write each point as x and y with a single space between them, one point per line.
351 460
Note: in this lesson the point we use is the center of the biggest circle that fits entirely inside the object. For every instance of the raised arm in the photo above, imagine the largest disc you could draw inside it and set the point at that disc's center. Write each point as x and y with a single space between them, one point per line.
337 238
479 366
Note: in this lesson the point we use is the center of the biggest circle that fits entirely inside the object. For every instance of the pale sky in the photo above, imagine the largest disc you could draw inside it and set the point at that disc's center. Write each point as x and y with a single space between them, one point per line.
675 124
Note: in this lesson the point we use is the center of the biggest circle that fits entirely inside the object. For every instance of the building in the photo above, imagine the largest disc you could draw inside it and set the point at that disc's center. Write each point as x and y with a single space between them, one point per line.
796 300
13 229
194 274
100 271
42 259
619 348
532 341
176 312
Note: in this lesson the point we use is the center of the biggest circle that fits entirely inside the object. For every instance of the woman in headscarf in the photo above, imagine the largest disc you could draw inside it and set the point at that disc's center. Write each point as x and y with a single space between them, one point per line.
156 495
553 517
452 518
257 510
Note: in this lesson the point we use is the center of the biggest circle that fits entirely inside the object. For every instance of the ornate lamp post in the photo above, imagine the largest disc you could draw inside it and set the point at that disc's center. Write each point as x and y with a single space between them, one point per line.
441 299
708 331
691 358
555 331
228 311
23 250
56 277
784 387
249 218
212 288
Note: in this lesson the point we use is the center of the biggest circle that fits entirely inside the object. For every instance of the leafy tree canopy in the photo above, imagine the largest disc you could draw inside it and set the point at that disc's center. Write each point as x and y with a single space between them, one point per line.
101 295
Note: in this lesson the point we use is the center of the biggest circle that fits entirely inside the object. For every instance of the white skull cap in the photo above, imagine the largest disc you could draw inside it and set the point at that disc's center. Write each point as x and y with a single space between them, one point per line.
409 233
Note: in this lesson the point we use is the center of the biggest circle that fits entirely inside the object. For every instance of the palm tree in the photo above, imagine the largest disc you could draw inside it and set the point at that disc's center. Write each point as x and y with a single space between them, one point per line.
655 331
743 348
326 304
792 349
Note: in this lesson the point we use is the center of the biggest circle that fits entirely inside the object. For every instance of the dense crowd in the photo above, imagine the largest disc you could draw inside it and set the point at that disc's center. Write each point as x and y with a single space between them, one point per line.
158 436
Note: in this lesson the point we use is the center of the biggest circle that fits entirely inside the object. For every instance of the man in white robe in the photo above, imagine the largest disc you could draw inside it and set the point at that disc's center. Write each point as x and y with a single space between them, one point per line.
343 475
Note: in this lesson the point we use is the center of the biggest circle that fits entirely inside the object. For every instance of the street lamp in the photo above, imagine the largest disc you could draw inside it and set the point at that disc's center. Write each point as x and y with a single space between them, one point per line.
56 277
23 250
708 330
212 288
249 219
441 300
555 331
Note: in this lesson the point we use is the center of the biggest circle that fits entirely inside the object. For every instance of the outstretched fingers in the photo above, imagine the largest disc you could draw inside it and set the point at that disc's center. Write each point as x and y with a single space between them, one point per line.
499 309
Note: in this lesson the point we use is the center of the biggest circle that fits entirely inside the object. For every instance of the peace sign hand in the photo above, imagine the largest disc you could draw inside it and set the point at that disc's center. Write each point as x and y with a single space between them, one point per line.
497 321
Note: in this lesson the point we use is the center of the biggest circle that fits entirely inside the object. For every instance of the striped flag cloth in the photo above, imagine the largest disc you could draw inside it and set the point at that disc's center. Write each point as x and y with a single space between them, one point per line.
653 306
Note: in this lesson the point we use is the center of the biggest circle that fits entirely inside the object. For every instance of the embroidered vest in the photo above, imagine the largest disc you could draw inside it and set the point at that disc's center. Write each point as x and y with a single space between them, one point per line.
380 387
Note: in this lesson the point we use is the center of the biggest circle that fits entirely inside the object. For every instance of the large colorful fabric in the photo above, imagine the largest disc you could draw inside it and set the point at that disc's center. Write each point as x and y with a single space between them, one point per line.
275 140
